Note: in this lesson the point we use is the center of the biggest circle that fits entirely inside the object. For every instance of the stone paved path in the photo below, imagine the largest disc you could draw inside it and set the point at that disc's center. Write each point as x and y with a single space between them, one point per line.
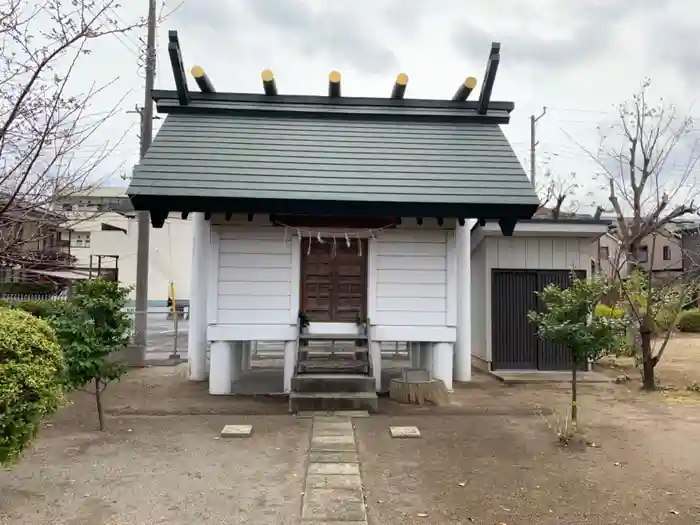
333 486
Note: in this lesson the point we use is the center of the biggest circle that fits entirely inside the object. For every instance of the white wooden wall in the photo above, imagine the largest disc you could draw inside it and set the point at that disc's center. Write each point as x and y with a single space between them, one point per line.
408 275
479 279
538 253
256 276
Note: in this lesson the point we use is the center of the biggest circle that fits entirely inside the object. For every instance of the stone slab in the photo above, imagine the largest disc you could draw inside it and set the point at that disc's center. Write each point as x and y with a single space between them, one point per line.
344 456
230 431
404 432
332 431
314 522
333 481
334 468
333 443
332 413
334 504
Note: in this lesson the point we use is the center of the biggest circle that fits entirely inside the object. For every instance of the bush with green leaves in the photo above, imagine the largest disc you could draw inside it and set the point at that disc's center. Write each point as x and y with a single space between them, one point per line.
569 319
44 309
92 329
31 387
689 321
603 310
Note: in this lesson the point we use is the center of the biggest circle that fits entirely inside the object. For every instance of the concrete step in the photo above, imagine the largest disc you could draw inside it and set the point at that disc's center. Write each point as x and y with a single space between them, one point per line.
333 383
299 401
338 366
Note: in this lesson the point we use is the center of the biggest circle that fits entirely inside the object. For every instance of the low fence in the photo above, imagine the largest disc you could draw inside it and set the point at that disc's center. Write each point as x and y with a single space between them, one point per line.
19 297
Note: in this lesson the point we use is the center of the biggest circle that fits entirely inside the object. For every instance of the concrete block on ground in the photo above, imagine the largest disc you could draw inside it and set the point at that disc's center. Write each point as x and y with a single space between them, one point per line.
404 432
334 504
231 431
334 468
345 456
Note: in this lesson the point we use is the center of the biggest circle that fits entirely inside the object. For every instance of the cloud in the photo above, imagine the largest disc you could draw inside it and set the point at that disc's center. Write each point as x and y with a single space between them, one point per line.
563 35
345 35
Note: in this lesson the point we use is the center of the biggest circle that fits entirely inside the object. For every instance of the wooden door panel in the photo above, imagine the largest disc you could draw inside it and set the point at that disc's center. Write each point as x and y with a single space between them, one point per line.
334 281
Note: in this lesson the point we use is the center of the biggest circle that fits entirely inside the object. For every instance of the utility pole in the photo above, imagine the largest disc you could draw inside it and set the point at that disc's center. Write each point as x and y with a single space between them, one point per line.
533 145
144 225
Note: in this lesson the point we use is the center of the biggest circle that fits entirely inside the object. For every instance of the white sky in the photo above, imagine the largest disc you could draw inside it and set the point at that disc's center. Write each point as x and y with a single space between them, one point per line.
577 57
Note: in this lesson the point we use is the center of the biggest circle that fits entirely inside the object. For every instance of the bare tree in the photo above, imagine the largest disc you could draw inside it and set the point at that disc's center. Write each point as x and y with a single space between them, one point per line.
649 166
47 129
558 195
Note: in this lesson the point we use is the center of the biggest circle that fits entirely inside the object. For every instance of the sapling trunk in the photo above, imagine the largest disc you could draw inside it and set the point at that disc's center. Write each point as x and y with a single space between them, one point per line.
98 399
574 405
648 363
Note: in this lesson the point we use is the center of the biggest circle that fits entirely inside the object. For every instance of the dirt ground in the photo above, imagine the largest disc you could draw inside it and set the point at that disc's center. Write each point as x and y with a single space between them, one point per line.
679 366
489 457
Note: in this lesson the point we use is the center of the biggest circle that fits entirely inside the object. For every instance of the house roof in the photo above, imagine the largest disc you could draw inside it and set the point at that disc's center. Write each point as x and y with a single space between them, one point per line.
272 153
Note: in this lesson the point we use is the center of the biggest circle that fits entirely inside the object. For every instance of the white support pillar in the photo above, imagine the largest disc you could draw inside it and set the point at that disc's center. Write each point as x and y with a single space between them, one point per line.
463 347
222 362
197 336
290 360
414 354
237 351
442 363
426 357
375 355
246 356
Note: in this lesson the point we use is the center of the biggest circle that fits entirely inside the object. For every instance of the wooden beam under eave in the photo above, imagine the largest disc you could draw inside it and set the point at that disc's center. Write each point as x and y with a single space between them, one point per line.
399 89
464 90
489 78
202 80
268 80
175 54
334 84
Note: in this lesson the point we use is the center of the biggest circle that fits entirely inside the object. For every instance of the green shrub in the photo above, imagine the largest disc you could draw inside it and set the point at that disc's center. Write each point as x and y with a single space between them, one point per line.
4 304
689 321
43 309
31 367
603 310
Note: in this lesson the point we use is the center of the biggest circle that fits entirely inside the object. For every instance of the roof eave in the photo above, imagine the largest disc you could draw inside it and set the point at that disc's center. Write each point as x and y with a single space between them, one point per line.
160 206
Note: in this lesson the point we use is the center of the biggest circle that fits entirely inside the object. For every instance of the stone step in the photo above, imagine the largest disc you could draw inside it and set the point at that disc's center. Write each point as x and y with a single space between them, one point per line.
337 366
299 401
333 383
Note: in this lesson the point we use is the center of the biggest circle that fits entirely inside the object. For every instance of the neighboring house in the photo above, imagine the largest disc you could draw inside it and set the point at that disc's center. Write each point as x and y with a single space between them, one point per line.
690 241
662 254
323 218
105 236
33 251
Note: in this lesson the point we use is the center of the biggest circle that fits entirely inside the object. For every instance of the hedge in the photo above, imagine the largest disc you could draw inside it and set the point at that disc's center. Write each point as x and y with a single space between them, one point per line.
31 378
689 321
43 309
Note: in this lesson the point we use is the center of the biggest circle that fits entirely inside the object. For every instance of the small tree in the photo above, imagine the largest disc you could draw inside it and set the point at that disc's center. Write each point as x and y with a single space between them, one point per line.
30 379
91 333
569 319
649 159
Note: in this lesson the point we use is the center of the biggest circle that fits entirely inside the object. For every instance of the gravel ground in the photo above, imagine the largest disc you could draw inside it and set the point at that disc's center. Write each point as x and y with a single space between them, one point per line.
488 457
160 470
